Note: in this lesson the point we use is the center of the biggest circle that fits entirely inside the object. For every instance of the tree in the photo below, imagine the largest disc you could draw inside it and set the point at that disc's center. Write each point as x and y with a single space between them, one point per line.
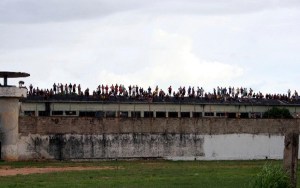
278 113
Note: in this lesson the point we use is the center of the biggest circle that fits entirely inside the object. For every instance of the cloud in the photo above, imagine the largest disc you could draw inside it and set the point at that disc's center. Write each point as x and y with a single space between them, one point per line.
172 62
146 45
164 59
36 11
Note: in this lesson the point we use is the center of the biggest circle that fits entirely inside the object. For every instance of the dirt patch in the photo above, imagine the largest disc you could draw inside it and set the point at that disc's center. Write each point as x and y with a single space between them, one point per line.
24 171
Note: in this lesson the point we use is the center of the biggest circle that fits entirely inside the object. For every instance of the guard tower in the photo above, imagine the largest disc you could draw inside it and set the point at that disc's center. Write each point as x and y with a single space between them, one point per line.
9 115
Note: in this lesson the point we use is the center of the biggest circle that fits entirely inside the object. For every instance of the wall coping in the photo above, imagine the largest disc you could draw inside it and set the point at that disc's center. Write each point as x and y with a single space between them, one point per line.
13 92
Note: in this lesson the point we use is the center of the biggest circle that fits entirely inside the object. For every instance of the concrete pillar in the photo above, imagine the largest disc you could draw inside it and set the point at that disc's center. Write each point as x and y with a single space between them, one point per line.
129 114
9 121
179 114
5 81
142 114
290 156
191 114
154 114
167 114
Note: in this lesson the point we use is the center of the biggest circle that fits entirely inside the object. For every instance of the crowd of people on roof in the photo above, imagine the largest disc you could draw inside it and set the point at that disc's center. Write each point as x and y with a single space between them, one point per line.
136 92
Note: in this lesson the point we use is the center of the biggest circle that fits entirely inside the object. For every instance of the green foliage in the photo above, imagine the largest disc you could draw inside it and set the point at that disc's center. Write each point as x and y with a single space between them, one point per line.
271 176
278 113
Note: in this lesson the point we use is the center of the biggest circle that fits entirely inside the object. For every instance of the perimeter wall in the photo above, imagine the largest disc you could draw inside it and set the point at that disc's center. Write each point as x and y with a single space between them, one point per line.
66 138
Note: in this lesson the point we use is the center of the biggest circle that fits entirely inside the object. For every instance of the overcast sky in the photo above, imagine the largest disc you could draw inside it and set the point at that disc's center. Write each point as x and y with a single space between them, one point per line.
208 43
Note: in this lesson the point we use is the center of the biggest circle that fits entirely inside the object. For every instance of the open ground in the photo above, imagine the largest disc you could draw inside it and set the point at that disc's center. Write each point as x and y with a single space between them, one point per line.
139 173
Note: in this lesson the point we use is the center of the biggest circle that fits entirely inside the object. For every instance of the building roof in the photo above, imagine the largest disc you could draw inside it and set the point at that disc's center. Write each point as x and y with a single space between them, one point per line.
7 74
169 100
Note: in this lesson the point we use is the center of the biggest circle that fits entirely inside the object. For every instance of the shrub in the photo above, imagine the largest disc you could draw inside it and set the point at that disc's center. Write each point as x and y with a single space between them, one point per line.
278 113
271 176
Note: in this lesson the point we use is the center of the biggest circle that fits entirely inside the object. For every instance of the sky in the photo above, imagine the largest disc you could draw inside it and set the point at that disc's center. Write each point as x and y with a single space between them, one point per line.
248 43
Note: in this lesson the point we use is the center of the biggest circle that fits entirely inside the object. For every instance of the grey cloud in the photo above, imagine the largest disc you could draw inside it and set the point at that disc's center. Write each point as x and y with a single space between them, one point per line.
36 11
20 11
221 7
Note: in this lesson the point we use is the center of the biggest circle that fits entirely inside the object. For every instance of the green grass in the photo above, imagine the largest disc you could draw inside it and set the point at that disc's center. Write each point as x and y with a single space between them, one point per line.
153 173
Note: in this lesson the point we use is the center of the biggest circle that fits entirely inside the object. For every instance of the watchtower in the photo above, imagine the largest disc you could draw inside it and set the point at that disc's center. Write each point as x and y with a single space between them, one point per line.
9 115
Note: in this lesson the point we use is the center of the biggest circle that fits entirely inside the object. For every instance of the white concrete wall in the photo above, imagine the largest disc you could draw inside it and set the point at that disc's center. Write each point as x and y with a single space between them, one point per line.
240 147
168 146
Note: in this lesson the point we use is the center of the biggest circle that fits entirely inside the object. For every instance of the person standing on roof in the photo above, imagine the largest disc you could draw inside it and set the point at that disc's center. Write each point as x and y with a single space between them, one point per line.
54 88
170 90
129 88
74 88
79 89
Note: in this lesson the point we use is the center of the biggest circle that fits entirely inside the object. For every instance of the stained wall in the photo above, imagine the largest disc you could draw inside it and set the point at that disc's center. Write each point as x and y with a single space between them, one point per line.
66 138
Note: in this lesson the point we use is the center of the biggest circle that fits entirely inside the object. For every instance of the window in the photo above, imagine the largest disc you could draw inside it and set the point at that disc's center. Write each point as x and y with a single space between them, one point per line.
136 114
57 113
87 114
220 114
110 114
231 115
209 114
160 114
43 113
185 114
197 114
99 114
244 115
255 115
173 114
148 114
123 114
70 113
29 113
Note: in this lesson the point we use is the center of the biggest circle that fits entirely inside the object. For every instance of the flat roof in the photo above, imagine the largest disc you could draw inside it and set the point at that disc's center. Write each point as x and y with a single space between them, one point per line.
7 74
157 100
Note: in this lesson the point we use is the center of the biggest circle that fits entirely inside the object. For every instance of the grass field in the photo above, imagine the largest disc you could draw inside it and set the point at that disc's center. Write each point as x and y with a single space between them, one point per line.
148 173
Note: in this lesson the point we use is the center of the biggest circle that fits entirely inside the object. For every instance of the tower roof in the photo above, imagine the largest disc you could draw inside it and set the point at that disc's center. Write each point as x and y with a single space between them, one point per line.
6 74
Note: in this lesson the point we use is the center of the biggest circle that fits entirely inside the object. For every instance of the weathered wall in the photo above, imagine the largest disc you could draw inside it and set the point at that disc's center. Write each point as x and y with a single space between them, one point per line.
15 92
210 126
113 145
172 138
135 145
9 114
